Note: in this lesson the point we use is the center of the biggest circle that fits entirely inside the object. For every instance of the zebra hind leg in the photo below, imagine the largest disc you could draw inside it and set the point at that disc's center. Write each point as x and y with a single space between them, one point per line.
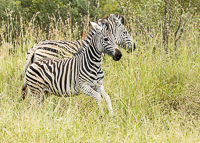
37 98
24 92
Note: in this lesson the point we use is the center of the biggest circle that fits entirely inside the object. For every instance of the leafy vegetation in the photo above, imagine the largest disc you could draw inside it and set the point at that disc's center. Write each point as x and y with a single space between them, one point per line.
155 95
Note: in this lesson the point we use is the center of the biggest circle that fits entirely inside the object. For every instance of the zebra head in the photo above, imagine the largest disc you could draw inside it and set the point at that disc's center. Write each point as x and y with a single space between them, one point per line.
116 26
105 42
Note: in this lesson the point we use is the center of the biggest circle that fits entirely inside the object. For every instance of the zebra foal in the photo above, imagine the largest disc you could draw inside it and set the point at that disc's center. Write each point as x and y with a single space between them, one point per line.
66 49
80 74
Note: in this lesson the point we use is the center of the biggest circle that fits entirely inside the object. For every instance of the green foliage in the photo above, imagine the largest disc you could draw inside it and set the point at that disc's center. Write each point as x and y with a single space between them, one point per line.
27 8
107 7
40 12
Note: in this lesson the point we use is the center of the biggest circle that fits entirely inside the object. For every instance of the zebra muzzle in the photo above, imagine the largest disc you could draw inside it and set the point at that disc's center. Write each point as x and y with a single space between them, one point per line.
117 55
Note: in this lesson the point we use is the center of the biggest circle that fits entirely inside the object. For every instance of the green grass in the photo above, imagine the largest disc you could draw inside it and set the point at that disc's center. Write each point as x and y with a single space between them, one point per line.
155 98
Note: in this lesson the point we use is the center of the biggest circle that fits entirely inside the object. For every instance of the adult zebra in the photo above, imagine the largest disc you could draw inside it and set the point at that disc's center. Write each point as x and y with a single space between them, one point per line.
66 49
80 74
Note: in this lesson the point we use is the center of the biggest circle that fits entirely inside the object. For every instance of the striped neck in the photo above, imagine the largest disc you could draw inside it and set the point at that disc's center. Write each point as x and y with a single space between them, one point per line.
89 53
87 41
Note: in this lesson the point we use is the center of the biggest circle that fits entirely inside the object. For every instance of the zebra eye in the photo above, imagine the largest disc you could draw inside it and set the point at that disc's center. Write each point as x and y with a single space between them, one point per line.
105 39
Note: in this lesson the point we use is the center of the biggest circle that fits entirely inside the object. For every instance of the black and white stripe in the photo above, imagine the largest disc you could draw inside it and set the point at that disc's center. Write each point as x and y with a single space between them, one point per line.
66 49
80 74
116 26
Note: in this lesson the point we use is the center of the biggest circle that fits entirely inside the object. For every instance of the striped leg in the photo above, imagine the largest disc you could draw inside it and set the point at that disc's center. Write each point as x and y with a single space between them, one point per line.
87 90
106 97
37 97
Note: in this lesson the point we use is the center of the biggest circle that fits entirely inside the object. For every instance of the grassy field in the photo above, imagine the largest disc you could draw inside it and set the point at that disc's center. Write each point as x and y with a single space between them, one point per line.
155 97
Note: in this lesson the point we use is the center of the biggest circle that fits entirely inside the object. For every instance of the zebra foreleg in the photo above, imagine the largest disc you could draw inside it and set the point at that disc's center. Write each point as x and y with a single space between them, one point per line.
91 92
106 97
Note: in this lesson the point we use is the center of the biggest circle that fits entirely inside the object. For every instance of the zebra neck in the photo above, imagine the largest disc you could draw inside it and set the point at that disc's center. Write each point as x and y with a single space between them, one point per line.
91 59
89 53
87 41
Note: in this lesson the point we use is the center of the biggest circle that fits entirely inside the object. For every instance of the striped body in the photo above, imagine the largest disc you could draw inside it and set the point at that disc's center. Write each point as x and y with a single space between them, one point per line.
56 49
53 49
80 74
66 49
65 77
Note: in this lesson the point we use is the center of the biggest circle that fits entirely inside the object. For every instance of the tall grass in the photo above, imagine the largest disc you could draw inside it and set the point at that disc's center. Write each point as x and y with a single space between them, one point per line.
155 96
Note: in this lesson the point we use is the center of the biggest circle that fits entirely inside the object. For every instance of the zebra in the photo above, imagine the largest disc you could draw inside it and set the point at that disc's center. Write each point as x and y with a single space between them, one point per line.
66 49
116 26
80 74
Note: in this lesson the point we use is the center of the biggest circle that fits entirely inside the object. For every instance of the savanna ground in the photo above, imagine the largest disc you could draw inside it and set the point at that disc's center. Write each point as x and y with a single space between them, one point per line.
155 96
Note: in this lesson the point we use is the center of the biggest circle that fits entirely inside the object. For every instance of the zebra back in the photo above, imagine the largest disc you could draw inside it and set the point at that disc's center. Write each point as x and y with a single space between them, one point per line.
56 49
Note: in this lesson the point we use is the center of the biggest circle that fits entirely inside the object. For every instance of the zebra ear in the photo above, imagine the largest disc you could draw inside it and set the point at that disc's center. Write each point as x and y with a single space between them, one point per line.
106 25
96 26
113 17
122 19
118 18
99 22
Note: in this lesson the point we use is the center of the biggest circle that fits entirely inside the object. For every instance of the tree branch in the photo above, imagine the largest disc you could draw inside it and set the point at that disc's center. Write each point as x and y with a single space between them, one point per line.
182 28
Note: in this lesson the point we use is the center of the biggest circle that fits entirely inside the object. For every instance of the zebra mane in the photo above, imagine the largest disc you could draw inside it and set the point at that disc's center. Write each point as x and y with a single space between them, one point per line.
88 37
86 40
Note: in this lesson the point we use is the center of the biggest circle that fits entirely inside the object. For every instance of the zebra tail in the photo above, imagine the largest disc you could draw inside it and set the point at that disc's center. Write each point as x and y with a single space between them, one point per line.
29 61
24 91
